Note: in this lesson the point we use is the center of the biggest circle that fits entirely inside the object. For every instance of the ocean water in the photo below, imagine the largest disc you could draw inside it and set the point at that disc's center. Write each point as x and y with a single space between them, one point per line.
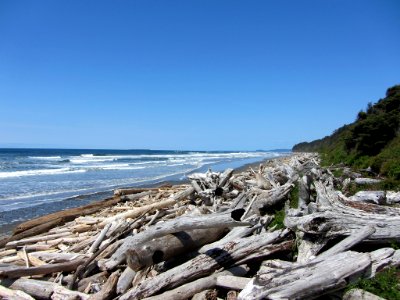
34 182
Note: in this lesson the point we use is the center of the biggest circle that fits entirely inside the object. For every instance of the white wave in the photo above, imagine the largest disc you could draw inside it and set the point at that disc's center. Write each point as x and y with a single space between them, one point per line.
45 157
40 172
86 160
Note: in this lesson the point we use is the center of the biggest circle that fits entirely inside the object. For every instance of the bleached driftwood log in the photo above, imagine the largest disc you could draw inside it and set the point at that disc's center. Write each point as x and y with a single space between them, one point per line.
187 290
364 181
335 216
348 242
308 281
261 181
170 245
359 294
392 197
108 290
271 197
45 290
151 207
205 264
220 220
376 197
125 280
16 272
8 294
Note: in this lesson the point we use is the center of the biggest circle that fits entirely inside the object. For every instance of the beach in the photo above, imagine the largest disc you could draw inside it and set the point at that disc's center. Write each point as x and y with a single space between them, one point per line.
11 217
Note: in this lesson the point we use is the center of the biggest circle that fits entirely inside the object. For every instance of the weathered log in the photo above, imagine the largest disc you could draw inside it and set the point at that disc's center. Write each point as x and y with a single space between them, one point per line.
108 290
8 294
38 229
348 242
171 245
36 239
271 197
121 192
66 215
309 245
359 294
204 264
364 181
392 197
125 280
16 272
376 197
308 281
206 295
262 182
336 216
221 220
151 207
88 281
189 289
45 289
99 238
224 178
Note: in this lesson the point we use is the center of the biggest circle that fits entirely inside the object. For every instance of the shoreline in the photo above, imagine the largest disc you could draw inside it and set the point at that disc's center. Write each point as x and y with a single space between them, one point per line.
6 230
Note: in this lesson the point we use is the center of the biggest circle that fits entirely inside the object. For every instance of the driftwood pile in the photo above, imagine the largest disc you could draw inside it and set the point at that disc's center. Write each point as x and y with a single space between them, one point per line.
213 238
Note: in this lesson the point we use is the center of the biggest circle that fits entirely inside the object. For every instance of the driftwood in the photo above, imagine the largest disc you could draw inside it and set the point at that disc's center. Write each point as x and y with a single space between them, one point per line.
125 280
16 272
337 216
183 223
174 239
151 207
108 290
66 215
170 245
359 294
45 289
376 197
187 290
204 264
265 199
308 281
8 294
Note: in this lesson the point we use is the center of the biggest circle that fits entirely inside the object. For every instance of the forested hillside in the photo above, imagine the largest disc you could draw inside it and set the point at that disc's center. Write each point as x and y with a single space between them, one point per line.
372 140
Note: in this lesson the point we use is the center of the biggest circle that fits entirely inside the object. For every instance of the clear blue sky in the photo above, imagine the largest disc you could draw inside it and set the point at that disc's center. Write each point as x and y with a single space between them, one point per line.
199 75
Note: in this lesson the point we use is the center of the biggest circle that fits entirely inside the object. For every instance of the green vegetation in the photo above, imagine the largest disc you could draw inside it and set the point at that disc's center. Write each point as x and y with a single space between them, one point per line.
279 218
384 284
373 140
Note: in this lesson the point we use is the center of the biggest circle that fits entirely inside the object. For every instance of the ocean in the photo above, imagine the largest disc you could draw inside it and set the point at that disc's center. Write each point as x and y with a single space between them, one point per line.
34 182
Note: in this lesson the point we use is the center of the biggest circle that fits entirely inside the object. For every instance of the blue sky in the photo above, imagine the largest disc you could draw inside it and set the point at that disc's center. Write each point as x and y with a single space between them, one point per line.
198 75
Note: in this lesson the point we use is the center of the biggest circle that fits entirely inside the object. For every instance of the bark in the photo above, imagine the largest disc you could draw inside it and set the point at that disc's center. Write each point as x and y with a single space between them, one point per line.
204 264
182 223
